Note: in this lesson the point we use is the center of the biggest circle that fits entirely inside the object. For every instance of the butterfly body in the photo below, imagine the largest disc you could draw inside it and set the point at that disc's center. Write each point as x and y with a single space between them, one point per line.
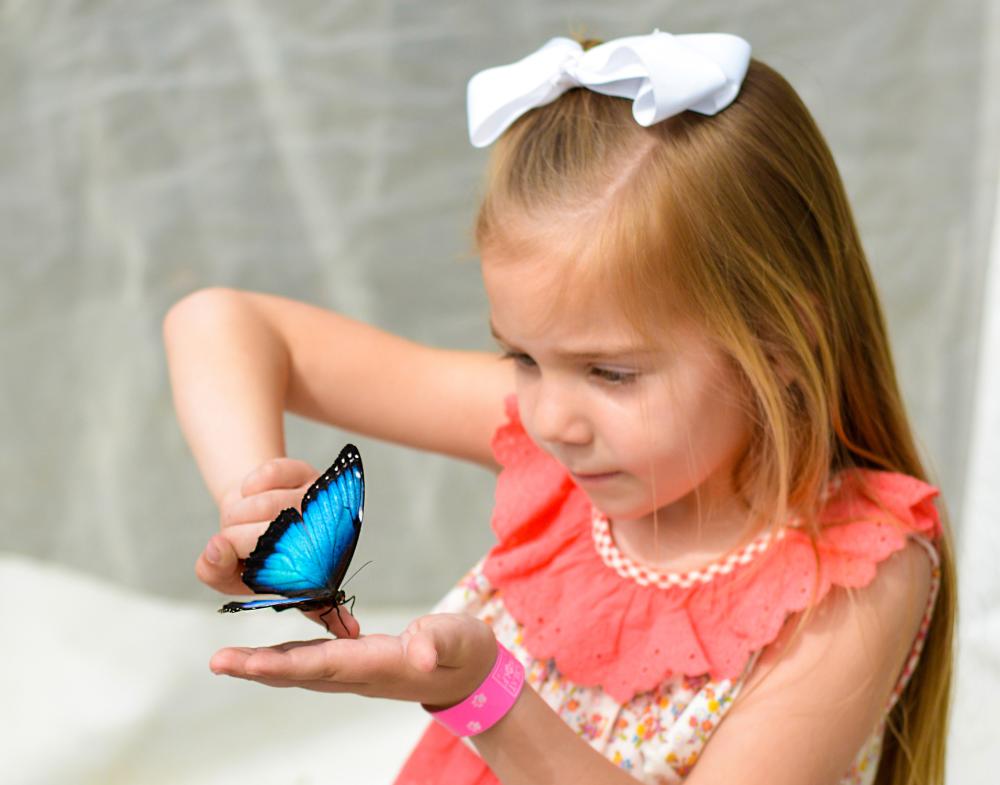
304 557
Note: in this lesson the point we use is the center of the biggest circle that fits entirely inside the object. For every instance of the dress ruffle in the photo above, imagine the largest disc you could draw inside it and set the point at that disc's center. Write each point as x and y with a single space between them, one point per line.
606 630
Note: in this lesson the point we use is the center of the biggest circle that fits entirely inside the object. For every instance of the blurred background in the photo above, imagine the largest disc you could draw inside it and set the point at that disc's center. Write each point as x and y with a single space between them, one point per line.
318 150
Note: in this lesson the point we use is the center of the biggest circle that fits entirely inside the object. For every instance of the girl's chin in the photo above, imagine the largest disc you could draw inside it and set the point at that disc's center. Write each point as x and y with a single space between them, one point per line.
617 508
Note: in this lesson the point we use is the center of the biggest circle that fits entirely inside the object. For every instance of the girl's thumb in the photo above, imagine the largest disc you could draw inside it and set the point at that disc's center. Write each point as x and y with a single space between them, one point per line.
419 650
218 566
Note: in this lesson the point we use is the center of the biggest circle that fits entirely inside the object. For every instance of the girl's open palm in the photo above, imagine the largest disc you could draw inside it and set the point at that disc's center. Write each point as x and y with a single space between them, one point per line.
439 660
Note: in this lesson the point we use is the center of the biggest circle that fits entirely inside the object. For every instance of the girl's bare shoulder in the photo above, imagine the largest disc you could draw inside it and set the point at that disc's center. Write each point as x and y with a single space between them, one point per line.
821 688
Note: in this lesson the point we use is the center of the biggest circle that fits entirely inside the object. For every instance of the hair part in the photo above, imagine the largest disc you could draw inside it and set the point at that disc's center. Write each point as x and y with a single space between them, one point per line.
739 221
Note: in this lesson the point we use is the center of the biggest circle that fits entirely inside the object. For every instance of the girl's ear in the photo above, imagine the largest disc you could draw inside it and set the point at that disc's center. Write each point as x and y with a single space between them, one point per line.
807 323
783 369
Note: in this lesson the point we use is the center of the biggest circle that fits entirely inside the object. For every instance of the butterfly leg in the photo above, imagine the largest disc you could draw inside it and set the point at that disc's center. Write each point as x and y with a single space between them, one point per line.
336 607
322 617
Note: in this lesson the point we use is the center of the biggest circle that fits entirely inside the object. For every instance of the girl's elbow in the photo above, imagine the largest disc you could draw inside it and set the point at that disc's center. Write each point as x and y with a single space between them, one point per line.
196 311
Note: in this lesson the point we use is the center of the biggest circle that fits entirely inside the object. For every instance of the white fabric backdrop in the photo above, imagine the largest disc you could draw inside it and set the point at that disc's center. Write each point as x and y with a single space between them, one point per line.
317 149
976 729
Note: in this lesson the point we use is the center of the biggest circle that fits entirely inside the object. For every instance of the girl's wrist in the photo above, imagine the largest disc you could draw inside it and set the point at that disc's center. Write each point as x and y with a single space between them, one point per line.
489 702
464 662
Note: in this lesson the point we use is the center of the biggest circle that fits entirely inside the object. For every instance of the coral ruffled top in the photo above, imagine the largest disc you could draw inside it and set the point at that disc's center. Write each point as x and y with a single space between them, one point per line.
644 663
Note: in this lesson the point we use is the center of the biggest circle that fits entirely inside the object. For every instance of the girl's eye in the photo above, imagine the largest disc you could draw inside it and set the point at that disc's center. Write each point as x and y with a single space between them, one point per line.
519 358
613 376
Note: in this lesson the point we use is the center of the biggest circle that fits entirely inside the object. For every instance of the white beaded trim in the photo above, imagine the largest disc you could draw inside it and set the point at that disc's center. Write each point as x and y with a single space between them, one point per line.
646 576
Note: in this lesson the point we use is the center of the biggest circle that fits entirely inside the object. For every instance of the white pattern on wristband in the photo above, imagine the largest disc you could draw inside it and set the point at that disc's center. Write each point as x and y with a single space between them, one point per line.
490 701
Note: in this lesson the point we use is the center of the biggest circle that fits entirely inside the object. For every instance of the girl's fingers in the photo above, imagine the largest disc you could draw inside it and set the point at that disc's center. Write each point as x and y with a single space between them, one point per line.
278 473
320 685
262 506
345 661
338 621
242 539
219 565
234 661
245 514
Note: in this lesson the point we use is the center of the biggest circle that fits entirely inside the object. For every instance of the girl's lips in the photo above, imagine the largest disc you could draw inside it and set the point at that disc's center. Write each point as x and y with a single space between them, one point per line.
596 477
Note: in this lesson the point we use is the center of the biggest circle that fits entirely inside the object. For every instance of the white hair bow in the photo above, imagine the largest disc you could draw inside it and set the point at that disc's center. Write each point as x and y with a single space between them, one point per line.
665 74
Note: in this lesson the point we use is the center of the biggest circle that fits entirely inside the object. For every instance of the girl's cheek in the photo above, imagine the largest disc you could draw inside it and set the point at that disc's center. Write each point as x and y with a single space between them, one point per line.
529 397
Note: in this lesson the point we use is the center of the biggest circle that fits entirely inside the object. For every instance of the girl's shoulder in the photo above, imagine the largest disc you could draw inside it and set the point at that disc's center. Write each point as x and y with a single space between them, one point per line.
607 620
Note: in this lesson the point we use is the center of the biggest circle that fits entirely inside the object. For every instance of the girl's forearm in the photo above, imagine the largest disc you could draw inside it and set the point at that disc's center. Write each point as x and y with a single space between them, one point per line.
229 374
532 744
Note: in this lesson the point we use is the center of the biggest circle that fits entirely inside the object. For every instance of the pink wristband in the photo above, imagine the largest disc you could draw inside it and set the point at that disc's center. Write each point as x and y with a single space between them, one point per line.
489 702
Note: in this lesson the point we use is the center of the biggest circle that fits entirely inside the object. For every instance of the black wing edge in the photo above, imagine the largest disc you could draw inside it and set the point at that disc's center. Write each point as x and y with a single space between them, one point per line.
265 547
349 456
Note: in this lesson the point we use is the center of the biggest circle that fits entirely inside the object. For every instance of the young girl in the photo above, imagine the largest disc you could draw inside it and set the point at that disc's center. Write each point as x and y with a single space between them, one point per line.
712 521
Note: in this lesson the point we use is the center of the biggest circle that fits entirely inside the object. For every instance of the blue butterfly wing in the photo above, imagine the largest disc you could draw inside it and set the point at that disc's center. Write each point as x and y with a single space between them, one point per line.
278 603
305 557
333 509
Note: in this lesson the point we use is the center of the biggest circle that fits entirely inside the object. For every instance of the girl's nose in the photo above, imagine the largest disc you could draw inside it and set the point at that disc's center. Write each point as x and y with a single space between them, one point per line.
558 416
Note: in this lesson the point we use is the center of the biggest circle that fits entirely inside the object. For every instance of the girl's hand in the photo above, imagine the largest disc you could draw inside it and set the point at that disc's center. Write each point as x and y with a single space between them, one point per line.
438 661
245 513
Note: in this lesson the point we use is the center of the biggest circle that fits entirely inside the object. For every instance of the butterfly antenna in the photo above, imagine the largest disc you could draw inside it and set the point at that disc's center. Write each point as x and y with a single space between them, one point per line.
355 573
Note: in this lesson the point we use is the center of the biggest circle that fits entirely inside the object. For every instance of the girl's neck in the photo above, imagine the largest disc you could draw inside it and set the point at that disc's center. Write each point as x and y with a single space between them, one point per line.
685 535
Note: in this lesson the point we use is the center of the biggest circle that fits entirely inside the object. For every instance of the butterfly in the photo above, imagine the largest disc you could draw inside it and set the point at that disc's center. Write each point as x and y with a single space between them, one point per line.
304 557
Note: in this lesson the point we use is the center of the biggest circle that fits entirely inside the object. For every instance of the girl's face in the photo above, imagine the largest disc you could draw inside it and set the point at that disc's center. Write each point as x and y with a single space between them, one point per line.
642 427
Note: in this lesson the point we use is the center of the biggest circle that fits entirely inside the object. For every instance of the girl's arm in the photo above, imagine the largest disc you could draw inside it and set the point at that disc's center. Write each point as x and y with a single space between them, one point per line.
238 360
803 714
815 697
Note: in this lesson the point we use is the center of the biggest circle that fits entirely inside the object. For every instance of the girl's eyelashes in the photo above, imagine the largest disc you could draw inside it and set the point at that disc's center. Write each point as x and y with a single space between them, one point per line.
612 376
519 358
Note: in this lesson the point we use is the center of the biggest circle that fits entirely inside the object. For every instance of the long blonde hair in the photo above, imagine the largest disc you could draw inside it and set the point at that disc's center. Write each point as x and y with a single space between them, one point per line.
743 218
